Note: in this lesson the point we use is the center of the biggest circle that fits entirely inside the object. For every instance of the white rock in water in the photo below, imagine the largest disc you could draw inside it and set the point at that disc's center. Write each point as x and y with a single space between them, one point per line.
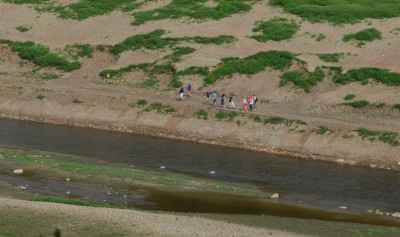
212 172
68 179
396 215
275 196
68 192
162 167
124 196
343 207
18 171
23 187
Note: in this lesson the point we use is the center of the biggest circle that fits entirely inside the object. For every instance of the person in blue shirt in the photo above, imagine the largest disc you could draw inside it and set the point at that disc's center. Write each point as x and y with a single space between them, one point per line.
189 89
214 97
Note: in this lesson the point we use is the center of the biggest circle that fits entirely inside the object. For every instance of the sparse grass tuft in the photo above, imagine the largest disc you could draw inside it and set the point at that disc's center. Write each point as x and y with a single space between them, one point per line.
323 130
76 101
141 102
151 81
80 51
366 35
22 28
396 106
331 57
300 80
349 97
225 115
160 108
357 104
201 114
276 29
286 122
40 97
390 138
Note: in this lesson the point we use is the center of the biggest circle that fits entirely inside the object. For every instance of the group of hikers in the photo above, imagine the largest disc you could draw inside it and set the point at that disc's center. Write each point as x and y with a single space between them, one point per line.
248 104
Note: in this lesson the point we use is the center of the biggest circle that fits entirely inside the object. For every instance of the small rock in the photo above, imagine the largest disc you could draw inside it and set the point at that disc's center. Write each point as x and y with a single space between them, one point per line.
18 171
275 196
396 215
116 193
108 193
343 207
68 179
372 166
340 160
370 211
212 172
398 163
68 192
162 167
124 196
23 187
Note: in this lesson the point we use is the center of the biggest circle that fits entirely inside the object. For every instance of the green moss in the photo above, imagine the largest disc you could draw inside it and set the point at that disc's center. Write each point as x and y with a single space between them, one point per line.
276 29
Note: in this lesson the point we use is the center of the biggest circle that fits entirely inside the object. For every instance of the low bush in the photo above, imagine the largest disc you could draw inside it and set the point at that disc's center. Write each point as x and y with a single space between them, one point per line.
225 115
331 57
22 28
323 130
390 138
276 29
349 97
40 97
286 122
362 75
80 51
76 101
364 35
141 102
299 79
160 108
396 106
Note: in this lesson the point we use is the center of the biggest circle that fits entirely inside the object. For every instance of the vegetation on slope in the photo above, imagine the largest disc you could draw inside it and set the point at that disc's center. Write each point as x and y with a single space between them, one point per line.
362 75
301 79
340 11
276 29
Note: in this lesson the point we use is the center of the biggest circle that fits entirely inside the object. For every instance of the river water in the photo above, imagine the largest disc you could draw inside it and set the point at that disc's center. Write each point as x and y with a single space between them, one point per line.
312 183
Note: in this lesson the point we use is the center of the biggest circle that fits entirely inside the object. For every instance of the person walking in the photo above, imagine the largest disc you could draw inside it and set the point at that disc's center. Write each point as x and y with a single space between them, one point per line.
244 105
207 97
189 89
255 99
222 100
181 91
251 102
214 97
231 102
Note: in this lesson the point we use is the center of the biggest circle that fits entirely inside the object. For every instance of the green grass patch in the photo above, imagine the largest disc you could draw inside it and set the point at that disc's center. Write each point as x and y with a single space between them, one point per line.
41 56
197 10
340 11
22 28
40 97
80 51
390 138
320 37
362 75
366 35
283 121
153 41
349 97
331 57
76 101
396 106
229 116
141 102
204 71
303 80
201 114
160 108
357 104
75 202
150 82
250 65
257 119
323 130
276 29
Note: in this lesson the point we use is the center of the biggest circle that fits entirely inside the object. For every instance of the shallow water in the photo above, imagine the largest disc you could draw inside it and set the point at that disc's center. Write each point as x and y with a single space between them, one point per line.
313 183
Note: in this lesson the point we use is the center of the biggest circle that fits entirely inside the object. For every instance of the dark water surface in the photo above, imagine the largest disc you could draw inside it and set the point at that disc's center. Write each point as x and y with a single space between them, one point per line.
313 183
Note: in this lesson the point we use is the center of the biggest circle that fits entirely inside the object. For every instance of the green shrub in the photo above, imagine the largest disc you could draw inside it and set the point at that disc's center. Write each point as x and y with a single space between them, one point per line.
340 11
192 9
257 118
349 97
76 101
141 102
357 104
80 51
322 130
396 106
22 28
160 108
194 70
40 97
364 35
201 114
299 79
286 122
276 29
251 65
150 82
386 137
100 47
383 76
224 115
320 37
175 82
331 57
49 76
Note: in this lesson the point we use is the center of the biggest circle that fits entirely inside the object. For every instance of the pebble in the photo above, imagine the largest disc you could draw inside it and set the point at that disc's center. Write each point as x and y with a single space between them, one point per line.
68 192
23 187
275 196
343 207
18 171
212 172
372 166
396 215
398 163
340 160
68 179
162 167
124 196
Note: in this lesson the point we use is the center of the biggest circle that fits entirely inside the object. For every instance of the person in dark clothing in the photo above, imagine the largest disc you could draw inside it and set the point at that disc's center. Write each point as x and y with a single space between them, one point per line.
222 100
